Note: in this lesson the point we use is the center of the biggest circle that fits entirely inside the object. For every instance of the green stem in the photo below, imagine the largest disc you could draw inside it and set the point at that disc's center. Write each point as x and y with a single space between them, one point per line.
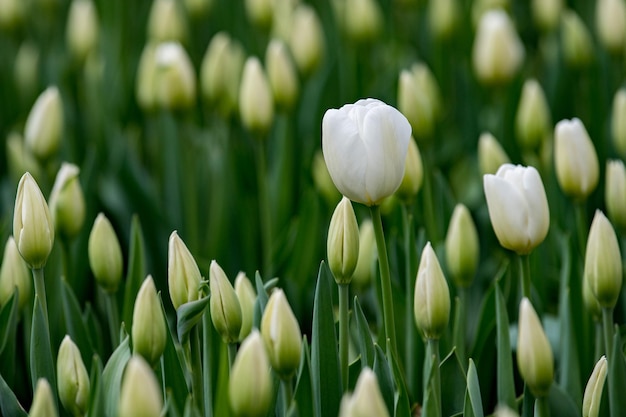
581 226
287 394
524 264
409 322
460 326
114 319
40 291
196 369
541 407
385 278
232 353
607 323
599 340
264 207
435 382
344 291
206 363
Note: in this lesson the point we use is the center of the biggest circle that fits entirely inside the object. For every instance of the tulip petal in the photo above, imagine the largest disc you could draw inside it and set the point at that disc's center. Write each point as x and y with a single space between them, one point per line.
539 221
508 211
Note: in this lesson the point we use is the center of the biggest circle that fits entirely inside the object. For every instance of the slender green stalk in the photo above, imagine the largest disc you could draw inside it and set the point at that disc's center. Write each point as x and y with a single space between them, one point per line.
607 323
287 393
40 291
599 340
581 226
460 325
264 208
385 278
232 352
206 363
435 382
113 318
541 407
196 368
409 322
344 291
524 265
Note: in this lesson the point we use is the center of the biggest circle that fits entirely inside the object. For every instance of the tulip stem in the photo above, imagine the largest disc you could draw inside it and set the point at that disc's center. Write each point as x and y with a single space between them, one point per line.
524 265
264 208
287 394
581 225
409 276
196 368
541 407
599 339
114 319
40 291
232 352
385 278
607 322
206 363
432 381
344 291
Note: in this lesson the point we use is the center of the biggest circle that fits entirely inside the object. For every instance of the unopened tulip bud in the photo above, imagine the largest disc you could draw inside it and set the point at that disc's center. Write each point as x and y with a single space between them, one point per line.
224 304
415 105
281 73
546 13
575 159
73 380
19 158
576 40
43 401
498 52
322 180
443 16
534 354
183 275
368 254
480 7
363 20
105 254
462 246
343 242
432 296
532 121
198 8
603 262
593 390
491 156
14 274
282 335
307 40
33 228
26 69
591 302
615 193
145 87
149 330
166 22
82 28
260 12
247 299
140 395
44 124
611 24
175 79
256 105
67 202
413 173
282 19
250 385
618 122
366 400
504 411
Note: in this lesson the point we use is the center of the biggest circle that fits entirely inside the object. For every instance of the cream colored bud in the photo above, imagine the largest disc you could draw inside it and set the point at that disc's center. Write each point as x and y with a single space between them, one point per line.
603 262
611 24
67 202
432 296
415 106
363 20
44 125
183 275
26 69
140 395
105 254
443 17
618 122
491 156
322 180
260 12
82 28
576 40
504 411
368 254
256 105
462 246
12 13
149 330
342 245
33 228
593 390
615 193
197 9
498 52
14 274
247 299
282 19
43 401
546 13
534 354
307 40
480 7
19 158
366 400
145 88
73 379
166 22
175 79
281 334
413 173
250 385
575 159
532 121
225 308
281 73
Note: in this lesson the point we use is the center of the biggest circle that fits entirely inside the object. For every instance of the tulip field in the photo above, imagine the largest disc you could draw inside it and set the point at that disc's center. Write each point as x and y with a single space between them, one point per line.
309 208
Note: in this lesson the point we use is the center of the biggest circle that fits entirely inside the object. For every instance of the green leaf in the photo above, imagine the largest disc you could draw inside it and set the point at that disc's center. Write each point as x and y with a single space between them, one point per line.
385 380
96 397
506 383
93 328
8 319
188 315
569 376
261 300
112 376
303 393
172 367
9 405
365 342
453 384
561 404
402 406
41 361
430 403
136 270
74 323
617 376
324 357
473 400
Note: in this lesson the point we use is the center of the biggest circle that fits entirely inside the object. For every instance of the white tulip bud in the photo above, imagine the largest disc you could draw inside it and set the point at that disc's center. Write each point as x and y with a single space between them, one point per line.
618 122
166 22
443 16
611 24
26 69
225 308
413 173
183 275
576 39
532 121
82 28
282 74
363 20
140 394
247 299
368 254
149 329
462 246
343 242
145 89
14 274
256 105
105 254
366 400
175 79
44 124
67 202
43 401
491 156
260 12
73 379
432 296
593 390
307 39
546 13
615 192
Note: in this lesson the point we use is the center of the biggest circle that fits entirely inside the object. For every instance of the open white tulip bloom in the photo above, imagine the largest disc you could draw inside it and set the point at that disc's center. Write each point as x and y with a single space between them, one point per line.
365 146
518 207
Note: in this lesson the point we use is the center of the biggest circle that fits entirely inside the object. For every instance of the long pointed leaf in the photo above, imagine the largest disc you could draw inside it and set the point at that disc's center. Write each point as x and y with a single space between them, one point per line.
506 384
365 341
74 323
8 401
112 377
453 384
41 361
473 400
8 319
385 380
304 389
617 377
172 366
96 396
188 315
136 270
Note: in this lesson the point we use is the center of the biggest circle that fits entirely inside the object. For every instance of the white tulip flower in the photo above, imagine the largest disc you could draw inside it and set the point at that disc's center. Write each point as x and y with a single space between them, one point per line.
365 146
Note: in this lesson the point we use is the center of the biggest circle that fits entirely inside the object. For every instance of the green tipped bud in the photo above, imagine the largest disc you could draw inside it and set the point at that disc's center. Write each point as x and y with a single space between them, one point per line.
615 193
256 105
105 254
618 122
183 276
250 386
603 262
534 354
12 13
368 254
281 334
491 156
307 41
593 390
462 246
225 308
533 121
576 40
149 330
33 228
416 106
197 9
26 69
611 24
260 12
432 296
413 173
247 298
366 400
140 395
73 380
82 29
44 125
145 80
282 74
166 22
443 16
546 13
363 20
14 274
43 401
67 202
175 79
343 242
19 158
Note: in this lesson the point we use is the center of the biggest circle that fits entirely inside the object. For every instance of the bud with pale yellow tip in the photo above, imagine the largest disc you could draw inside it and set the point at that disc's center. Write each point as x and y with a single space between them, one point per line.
175 78
432 296
256 103
149 329
247 299
140 394
166 22
343 242
82 29
491 155
282 74
594 388
532 121
73 380
615 192
67 202
105 254
183 275
366 400
44 125
224 304
43 401
14 274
